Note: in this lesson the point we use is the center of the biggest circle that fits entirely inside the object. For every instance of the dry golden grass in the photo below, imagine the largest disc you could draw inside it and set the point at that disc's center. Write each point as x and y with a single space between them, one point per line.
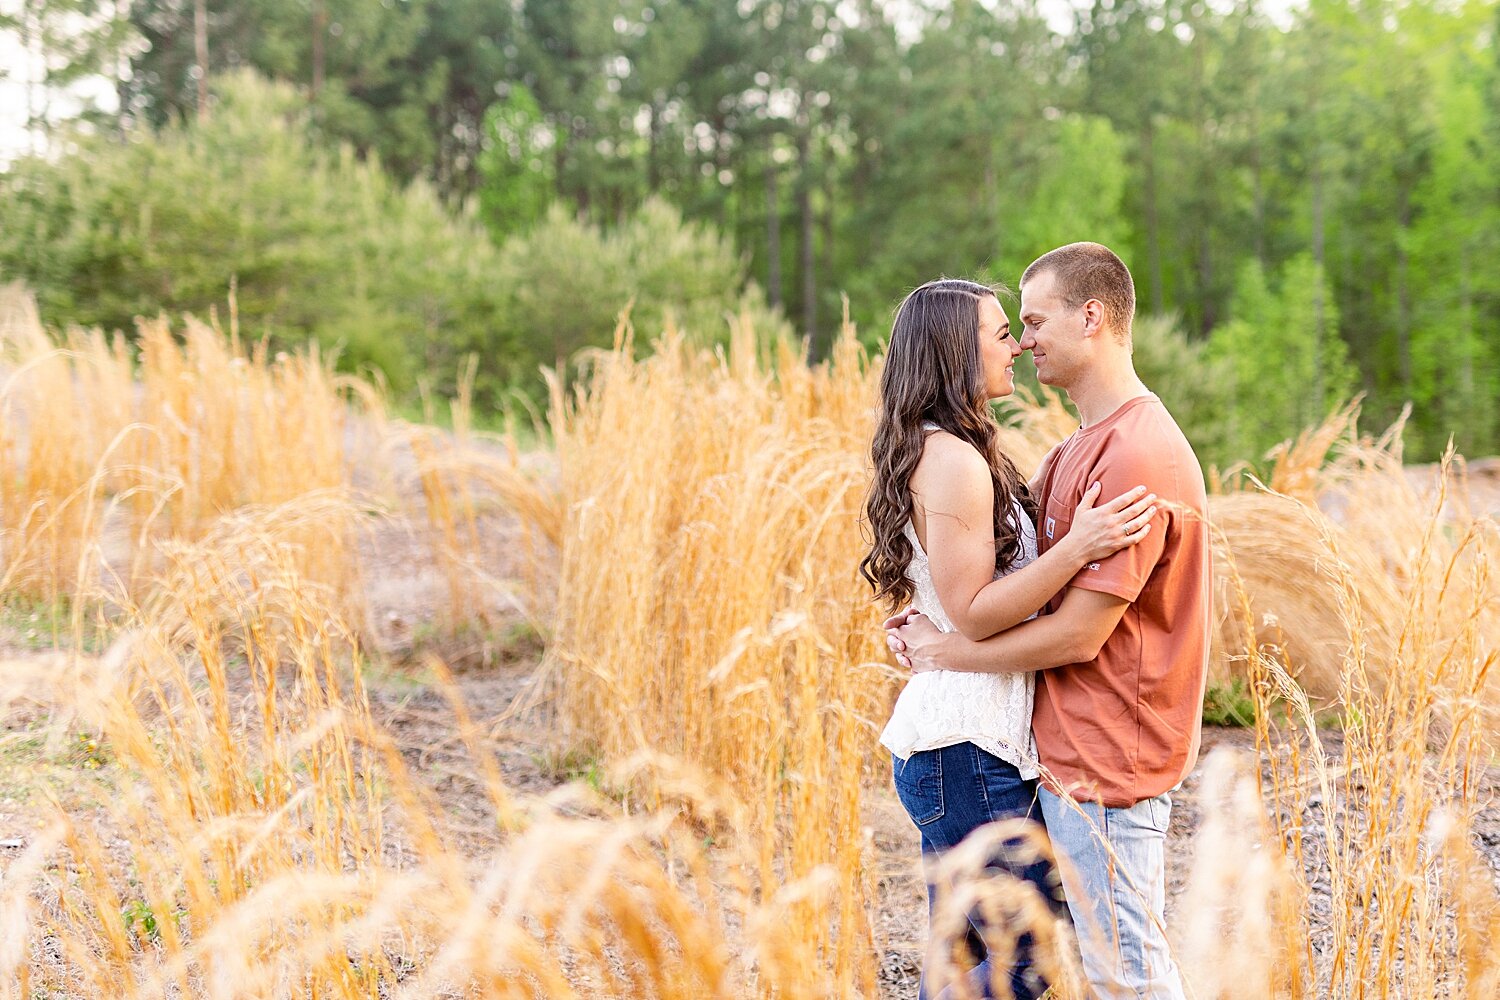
165 441
693 554
279 844
725 615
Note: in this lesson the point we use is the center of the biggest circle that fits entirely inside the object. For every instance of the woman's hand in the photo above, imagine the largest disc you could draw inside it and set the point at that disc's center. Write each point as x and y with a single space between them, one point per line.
916 642
1104 530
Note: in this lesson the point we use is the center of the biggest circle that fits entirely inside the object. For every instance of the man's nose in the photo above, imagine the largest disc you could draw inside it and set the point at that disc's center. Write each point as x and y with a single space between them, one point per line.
1027 341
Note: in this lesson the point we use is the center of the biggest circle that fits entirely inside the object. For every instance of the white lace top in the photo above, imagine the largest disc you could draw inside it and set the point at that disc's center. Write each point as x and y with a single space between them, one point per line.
942 707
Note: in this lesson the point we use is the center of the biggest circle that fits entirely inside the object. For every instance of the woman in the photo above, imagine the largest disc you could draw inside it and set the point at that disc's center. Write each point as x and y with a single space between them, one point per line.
954 535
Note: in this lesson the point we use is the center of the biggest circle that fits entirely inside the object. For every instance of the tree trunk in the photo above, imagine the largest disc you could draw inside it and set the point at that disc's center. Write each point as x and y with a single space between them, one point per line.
200 53
1257 181
773 234
722 163
1467 384
825 234
319 29
1403 285
1206 280
1153 235
30 32
809 269
653 140
1319 384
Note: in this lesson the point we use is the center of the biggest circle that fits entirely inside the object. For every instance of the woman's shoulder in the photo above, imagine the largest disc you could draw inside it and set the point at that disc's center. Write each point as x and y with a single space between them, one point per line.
948 458
947 446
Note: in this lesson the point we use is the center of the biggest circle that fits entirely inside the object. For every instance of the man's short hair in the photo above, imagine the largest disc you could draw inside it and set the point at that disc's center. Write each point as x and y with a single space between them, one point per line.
1090 271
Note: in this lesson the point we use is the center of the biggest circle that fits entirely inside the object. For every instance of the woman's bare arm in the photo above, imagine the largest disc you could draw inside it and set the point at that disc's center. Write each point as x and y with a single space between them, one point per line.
952 486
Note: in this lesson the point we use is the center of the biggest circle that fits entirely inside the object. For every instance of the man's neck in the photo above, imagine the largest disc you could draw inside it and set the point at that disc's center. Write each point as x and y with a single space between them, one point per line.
1105 390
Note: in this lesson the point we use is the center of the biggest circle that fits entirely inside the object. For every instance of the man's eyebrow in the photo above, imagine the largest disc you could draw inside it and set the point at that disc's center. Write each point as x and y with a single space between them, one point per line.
1029 315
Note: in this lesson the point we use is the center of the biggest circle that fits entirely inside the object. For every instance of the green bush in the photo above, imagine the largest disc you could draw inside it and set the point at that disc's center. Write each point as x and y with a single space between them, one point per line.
1195 385
1286 364
567 282
315 243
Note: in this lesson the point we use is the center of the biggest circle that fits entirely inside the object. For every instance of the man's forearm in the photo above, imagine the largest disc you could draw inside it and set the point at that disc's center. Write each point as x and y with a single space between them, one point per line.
1031 645
1073 633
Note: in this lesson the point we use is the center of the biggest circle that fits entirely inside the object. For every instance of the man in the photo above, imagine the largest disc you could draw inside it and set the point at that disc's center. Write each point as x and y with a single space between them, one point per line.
1123 650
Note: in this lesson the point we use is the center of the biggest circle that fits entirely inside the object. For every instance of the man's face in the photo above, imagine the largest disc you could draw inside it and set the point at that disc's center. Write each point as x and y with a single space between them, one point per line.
1051 331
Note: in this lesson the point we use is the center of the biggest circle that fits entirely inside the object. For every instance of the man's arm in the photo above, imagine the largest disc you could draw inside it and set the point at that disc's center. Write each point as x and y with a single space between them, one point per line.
1074 633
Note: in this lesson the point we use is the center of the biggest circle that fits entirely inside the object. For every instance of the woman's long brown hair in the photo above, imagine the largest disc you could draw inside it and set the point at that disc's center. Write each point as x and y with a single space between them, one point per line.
933 372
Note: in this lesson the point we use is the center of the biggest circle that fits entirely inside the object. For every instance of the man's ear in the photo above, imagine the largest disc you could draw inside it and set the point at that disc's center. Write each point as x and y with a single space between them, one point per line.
1093 317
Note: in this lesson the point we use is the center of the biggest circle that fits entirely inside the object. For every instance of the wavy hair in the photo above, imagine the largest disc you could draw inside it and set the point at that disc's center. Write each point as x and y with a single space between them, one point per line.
933 372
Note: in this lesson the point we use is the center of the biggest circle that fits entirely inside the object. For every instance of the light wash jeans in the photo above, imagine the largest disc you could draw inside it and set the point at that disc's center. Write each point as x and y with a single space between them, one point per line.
1117 895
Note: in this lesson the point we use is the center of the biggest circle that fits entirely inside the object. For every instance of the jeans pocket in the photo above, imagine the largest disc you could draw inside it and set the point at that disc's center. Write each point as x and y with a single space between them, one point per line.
919 785
1160 812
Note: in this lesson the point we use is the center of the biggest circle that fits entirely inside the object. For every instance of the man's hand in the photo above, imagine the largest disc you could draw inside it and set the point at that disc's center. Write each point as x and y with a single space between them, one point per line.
916 642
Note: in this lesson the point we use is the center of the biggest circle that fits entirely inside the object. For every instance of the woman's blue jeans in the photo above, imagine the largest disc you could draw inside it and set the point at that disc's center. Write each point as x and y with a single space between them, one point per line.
950 792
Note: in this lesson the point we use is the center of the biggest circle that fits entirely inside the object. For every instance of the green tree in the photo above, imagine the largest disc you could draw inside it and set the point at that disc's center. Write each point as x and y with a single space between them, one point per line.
409 82
311 242
1455 236
964 124
1193 381
1286 365
566 282
515 169
67 45
1073 189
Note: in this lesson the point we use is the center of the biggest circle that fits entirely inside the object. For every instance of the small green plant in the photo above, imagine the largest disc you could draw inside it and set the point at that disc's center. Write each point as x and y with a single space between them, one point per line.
477 644
141 920
1229 705
571 764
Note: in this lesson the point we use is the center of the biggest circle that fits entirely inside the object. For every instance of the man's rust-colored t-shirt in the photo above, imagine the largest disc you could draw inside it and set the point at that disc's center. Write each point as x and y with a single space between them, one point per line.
1126 726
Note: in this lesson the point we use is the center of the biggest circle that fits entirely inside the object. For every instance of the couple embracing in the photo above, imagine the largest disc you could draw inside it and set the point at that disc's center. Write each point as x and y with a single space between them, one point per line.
1057 629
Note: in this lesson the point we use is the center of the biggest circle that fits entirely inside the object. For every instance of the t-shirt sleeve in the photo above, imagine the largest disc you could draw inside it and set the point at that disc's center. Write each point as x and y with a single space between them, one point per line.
1125 573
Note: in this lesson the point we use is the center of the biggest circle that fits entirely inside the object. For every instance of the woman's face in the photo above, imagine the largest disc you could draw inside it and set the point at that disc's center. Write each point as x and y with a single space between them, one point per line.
998 350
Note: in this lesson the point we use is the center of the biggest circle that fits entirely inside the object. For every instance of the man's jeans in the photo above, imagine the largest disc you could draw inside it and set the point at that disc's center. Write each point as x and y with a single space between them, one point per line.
950 792
1117 895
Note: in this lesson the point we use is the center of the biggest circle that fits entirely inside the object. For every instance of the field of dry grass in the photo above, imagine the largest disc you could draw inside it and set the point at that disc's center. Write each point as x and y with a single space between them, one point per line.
304 700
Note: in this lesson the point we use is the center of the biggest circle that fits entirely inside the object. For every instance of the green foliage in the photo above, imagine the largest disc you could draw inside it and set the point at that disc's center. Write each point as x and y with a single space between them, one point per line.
1229 704
515 174
1195 385
311 242
1072 190
567 283
407 83
1455 355
1286 366
141 920
857 147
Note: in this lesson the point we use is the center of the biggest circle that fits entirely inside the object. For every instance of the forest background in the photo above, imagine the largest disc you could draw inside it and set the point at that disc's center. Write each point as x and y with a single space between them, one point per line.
1307 196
